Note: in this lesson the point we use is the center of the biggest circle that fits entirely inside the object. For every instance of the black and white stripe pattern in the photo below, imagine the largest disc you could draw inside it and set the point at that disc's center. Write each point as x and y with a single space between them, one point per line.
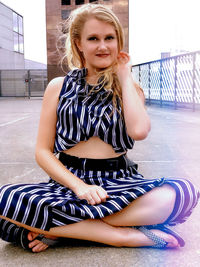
83 113
50 204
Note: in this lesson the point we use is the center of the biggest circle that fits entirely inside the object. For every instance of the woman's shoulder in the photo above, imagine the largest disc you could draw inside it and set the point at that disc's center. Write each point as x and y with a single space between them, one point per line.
57 85
54 87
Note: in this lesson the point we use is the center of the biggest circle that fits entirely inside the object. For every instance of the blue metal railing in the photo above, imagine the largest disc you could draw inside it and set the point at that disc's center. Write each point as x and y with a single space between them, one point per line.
173 81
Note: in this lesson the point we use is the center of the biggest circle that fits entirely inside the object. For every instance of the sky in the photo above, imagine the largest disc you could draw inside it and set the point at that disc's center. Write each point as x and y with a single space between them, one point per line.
33 13
155 26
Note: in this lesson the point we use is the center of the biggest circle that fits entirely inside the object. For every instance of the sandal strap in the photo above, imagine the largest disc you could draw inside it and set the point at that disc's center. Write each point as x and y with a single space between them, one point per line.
159 242
24 240
47 241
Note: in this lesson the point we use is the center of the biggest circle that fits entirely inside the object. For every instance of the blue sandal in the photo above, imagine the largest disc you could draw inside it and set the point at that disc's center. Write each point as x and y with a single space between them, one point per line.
160 242
24 242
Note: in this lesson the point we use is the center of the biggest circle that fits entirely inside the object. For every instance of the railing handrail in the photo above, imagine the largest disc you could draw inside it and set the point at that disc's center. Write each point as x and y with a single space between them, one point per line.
22 69
166 58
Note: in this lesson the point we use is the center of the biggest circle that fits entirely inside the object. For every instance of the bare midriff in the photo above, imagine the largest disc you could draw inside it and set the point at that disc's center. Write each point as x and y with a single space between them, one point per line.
93 148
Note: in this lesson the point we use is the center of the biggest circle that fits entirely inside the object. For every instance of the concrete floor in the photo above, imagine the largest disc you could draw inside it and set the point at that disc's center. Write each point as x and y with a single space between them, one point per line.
172 149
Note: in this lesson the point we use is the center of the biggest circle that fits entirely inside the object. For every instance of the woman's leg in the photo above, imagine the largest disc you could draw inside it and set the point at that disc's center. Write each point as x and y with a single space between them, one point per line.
151 208
98 231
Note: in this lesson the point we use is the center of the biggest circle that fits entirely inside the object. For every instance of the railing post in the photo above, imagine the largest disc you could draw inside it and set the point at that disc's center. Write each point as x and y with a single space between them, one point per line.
139 74
29 84
149 82
43 82
193 81
0 82
161 73
175 82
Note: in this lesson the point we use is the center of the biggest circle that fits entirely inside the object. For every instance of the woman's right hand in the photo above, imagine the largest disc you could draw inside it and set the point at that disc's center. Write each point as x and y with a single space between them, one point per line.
94 194
123 66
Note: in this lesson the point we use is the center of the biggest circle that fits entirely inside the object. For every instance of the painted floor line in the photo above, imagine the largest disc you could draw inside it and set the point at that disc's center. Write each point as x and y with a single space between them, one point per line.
156 161
138 161
14 121
17 163
25 174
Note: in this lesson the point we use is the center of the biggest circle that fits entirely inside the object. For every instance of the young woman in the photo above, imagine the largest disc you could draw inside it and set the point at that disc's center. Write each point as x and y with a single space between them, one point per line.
90 118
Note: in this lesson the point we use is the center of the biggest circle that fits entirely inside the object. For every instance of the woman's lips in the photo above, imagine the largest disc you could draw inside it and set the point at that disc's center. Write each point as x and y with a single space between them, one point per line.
102 55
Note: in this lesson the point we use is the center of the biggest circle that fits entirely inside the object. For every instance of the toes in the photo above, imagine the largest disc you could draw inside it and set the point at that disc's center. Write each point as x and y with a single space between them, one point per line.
31 236
172 242
34 243
39 247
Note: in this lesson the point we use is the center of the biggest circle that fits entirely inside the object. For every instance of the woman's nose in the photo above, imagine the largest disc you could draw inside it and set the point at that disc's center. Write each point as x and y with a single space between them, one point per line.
102 45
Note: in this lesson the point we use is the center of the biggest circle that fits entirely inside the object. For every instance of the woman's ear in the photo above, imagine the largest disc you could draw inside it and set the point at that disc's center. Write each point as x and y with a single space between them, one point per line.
78 44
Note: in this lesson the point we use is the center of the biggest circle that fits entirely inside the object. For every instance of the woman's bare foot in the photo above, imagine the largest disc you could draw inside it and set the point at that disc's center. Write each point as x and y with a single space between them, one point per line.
37 245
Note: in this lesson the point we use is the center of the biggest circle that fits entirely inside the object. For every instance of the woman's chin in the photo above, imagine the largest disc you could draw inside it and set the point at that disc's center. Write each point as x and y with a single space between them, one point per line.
104 67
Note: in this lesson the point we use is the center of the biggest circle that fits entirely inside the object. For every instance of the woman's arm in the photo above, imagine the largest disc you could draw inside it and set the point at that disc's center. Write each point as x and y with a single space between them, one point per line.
45 145
136 118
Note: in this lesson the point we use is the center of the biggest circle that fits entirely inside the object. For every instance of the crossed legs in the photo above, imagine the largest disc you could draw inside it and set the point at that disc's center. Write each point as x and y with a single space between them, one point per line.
152 208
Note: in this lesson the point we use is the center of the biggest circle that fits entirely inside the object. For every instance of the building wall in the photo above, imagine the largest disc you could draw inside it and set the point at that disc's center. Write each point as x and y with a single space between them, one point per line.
56 13
30 65
10 83
16 78
8 58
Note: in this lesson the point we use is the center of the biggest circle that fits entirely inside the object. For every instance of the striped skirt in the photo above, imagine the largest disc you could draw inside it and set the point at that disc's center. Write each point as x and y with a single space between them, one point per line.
46 205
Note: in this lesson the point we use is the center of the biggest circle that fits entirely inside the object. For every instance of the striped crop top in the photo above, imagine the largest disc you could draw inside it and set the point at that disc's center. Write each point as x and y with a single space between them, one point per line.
82 113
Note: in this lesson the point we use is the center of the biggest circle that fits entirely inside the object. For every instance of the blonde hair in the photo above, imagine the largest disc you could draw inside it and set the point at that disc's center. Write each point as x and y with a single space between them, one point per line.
73 58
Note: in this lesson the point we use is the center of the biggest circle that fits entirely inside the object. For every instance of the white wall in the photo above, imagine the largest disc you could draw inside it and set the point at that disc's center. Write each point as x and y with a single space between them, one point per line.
8 58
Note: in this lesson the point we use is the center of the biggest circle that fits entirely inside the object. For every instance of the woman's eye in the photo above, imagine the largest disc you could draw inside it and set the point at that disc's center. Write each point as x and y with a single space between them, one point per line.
92 38
110 37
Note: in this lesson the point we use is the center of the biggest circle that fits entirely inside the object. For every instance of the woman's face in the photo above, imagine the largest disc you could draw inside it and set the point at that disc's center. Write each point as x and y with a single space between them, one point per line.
99 45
